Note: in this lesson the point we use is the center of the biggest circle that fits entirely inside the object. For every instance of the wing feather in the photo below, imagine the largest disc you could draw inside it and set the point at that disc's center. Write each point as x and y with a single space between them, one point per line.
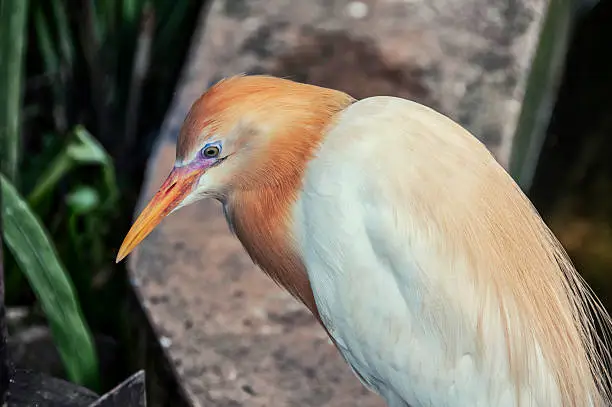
416 212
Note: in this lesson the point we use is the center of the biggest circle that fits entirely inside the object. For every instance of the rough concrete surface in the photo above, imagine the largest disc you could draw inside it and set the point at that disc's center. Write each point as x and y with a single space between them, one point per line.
234 337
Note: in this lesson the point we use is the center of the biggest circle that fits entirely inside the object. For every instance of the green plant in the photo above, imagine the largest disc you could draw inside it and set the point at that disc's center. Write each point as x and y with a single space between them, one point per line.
22 231
77 212
100 63
116 48
82 149
92 65
13 16
31 247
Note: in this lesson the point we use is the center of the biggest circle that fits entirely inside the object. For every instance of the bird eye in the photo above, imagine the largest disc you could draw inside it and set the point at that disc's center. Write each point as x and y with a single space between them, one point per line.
210 152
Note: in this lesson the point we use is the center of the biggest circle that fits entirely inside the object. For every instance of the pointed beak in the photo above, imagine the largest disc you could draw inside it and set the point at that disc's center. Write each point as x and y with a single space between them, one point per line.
177 186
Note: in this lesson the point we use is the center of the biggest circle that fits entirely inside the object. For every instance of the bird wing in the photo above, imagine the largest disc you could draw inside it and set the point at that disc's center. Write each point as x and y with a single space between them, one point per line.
428 265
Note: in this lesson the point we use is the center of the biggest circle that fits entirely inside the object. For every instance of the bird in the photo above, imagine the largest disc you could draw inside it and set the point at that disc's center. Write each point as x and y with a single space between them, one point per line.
431 271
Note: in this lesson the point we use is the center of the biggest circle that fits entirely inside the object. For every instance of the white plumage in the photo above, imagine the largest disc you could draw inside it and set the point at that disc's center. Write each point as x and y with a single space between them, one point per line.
435 277
404 315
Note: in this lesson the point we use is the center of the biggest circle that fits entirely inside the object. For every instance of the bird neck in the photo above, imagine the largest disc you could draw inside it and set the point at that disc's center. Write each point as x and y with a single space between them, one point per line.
260 208
261 221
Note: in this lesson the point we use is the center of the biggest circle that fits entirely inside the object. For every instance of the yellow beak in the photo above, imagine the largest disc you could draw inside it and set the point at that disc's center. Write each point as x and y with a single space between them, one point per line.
177 186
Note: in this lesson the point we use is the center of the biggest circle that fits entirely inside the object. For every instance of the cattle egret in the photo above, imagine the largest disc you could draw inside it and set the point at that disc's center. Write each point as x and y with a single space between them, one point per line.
428 267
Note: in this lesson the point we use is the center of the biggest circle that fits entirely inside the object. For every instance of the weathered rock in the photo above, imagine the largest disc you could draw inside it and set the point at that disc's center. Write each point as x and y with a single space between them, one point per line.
130 393
234 337
27 388
468 59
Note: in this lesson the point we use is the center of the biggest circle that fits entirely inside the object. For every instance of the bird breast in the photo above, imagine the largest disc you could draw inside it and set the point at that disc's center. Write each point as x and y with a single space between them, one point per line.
403 305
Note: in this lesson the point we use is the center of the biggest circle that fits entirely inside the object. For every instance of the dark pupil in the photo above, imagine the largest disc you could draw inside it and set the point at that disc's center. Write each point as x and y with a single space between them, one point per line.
210 152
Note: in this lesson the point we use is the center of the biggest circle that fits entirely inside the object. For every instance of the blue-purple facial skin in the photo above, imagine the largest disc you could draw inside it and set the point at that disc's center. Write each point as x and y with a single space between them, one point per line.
172 194
200 162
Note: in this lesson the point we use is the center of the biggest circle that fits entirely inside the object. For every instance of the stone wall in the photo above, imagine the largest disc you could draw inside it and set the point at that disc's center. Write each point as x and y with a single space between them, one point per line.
468 59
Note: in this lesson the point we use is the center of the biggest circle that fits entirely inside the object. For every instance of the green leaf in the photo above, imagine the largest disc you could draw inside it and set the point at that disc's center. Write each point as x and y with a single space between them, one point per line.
108 11
28 241
130 10
83 200
13 18
97 24
174 16
50 177
54 65
45 43
83 149
90 151
63 28
86 150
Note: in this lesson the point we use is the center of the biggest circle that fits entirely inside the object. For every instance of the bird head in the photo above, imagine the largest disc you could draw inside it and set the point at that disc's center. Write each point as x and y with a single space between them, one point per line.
244 133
